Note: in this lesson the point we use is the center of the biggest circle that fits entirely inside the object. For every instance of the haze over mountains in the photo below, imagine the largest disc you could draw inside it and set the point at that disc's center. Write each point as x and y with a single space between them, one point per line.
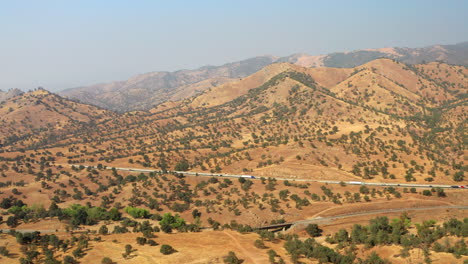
234 132
144 91
214 111
8 94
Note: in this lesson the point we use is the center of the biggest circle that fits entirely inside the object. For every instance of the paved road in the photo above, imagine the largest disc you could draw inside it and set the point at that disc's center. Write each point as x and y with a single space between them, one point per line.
328 218
206 174
318 220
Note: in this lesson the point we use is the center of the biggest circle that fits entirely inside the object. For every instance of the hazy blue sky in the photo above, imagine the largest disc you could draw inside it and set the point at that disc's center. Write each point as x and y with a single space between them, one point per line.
62 44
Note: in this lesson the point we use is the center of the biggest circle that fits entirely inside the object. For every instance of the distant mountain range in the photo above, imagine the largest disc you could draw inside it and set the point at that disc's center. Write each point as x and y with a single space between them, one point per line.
144 91
9 94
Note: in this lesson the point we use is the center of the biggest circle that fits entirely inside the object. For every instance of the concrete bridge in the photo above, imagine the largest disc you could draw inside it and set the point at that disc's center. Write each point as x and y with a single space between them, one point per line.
275 227
318 220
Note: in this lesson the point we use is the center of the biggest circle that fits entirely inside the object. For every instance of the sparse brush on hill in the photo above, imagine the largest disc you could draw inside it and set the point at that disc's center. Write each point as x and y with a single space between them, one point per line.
383 121
380 115
146 90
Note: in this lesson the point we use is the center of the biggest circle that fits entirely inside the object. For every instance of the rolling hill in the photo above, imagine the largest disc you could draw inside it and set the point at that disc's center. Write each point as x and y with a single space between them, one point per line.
40 117
144 91
382 120
147 90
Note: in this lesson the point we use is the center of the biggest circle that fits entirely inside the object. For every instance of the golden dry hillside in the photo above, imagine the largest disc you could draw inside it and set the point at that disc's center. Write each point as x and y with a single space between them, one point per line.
40 117
144 91
383 120
63 168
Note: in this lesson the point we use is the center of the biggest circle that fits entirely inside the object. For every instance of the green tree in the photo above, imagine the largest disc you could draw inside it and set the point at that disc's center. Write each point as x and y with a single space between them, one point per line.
182 165
79 217
78 252
141 240
167 249
114 214
266 235
427 193
166 228
103 230
231 258
106 260
459 176
313 230
12 221
358 234
364 190
128 249
259 244
342 235
175 221
137 212
69 260
196 213
4 251
271 255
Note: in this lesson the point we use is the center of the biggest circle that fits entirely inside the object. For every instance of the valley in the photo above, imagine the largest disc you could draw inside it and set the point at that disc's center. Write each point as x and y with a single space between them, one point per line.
371 153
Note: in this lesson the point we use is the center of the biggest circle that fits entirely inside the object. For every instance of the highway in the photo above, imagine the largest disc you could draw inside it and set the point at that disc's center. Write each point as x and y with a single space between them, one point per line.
207 174
318 220
330 218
